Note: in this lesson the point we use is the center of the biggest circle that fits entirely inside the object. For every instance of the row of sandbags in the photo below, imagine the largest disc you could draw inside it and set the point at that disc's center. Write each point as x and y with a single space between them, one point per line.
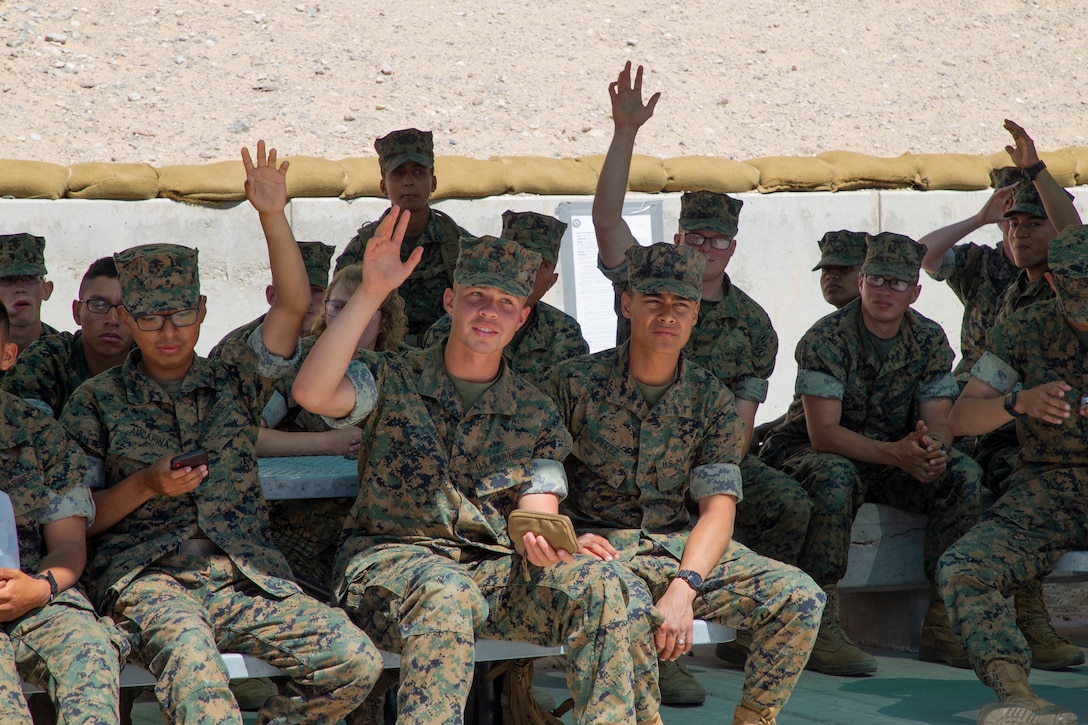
461 177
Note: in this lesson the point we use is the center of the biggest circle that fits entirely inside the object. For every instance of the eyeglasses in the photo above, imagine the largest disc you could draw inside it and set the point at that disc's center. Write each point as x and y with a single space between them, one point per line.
100 307
23 279
698 240
333 307
181 318
896 285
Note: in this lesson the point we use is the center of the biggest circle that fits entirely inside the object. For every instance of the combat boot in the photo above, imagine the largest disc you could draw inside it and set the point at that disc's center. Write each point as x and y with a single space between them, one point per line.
735 652
678 686
937 642
1049 650
746 715
1017 704
834 653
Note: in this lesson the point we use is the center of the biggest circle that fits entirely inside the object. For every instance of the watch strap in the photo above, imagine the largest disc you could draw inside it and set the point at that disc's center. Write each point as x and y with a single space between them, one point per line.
1033 170
1010 405
691 578
47 577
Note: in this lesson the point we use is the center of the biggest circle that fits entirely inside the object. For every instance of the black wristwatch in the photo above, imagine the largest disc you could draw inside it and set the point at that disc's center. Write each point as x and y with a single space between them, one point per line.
1033 170
691 578
1010 404
47 577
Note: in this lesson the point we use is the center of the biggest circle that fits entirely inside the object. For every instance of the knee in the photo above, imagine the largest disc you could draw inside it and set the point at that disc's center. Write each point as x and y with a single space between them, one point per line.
448 603
831 488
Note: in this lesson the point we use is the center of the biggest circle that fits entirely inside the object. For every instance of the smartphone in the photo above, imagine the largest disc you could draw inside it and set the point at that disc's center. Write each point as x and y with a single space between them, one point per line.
191 460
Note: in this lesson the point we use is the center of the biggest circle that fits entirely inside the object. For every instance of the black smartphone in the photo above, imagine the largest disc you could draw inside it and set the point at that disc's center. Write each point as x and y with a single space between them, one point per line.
191 460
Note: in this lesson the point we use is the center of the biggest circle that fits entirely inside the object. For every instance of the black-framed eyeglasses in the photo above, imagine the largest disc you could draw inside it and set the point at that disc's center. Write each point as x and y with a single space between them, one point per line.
181 318
23 279
698 240
896 285
100 307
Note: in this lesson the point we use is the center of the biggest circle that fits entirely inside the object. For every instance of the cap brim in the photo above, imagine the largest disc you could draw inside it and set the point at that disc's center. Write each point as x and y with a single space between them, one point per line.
1032 209
669 286
23 269
402 159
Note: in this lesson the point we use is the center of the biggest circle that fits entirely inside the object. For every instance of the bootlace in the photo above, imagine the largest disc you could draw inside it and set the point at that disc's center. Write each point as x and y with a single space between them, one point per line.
995 683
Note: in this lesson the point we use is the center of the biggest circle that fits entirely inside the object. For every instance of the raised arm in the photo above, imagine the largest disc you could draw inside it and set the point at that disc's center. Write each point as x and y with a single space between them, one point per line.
1059 207
321 386
940 241
266 189
628 115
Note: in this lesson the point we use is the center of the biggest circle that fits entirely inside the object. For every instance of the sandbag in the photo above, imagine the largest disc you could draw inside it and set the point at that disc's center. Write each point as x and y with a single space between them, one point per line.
1080 153
647 172
221 181
548 177
308 176
955 172
465 178
363 177
709 173
851 170
790 173
128 182
32 179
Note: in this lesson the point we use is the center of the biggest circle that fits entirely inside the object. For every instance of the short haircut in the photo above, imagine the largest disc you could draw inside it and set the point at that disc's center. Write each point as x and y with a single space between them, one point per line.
5 324
104 267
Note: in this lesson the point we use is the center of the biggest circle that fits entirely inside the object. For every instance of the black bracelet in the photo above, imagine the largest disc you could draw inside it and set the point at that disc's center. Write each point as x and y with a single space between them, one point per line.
1033 170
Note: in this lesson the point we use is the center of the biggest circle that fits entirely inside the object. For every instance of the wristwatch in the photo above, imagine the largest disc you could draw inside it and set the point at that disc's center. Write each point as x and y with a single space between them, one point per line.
691 578
1033 170
47 577
1010 404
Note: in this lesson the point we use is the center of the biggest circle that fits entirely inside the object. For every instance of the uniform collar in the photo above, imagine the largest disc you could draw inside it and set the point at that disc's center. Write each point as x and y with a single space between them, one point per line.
623 389
141 389
435 383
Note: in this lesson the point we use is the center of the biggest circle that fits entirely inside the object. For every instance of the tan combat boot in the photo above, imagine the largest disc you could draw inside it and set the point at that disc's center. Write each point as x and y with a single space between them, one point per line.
1049 650
747 715
1017 704
937 642
834 653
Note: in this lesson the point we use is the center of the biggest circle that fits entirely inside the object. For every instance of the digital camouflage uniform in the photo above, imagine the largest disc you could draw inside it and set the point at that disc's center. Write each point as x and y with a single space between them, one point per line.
49 371
1044 514
549 336
316 256
880 401
426 565
183 608
734 340
23 254
62 647
843 248
423 290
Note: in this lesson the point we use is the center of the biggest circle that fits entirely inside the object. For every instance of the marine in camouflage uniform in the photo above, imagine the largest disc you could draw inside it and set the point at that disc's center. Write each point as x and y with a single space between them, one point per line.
193 574
49 371
841 256
549 336
635 462
61 647
882 394
23 256
426 565
735 341
439 237
1044 514
316 256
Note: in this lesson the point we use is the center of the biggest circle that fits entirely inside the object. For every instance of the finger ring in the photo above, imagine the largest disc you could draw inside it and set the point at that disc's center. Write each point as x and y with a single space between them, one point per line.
681 641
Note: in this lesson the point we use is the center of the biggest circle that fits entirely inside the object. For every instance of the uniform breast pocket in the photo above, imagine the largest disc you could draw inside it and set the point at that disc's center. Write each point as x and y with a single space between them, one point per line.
673 468
602 460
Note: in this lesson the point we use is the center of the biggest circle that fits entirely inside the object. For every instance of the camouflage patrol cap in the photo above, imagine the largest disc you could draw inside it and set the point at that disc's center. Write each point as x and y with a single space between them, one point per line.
893 256
1025 200
841 249
539 232
158 278
22 254
664 267
317 256
1068 259
400 147
495 262
1006 176
709 210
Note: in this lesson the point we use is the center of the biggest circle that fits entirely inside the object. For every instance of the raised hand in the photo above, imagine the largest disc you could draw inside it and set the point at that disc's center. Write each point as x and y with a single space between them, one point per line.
993 211
266 185
628 110
1023 154
383 270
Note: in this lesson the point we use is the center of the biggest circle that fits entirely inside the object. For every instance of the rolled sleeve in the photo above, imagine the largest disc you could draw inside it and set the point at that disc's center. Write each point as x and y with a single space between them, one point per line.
819 385
943 387
715 478
751 388
615 275
270 365
366 395
948 266
96 474
545 476
76 502
996 373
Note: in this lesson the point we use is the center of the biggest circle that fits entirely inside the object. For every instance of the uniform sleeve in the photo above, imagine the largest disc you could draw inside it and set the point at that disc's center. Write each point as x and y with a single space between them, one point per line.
948 266
716 468
364 379
937 380
82 421
67 472
35 376
764 351
820 369
547 474
270 365
996 373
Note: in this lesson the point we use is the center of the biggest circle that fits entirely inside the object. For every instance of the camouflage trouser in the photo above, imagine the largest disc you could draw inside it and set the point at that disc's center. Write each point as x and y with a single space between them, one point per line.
431 609
839 486
775 511
778 603
997 453
183 610
307 532
1043 515
64 649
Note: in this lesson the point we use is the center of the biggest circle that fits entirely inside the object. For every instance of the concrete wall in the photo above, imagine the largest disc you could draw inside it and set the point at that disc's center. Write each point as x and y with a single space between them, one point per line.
776 247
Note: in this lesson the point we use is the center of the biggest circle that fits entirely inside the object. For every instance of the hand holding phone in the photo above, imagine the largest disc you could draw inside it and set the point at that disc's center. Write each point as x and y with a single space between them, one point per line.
190 460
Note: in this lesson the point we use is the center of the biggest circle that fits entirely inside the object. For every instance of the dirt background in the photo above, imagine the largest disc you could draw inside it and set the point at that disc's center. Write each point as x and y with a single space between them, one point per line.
172 83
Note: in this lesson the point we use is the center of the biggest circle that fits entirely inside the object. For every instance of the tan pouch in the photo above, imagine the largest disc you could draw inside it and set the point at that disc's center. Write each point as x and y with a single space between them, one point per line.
556 528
